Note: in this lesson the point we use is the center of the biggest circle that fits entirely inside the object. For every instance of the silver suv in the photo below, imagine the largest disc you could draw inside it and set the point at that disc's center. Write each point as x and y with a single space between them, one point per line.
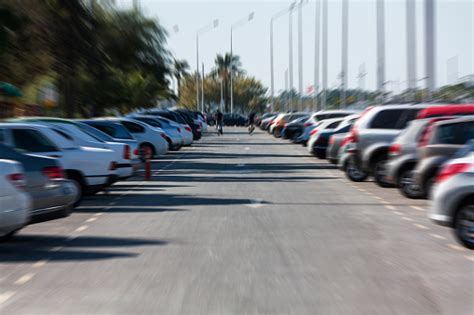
371 137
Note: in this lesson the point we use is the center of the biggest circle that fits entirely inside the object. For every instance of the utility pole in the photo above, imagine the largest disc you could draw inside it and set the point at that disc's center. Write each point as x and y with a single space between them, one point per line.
325 54
380 46
286 89
411 44
202 88
430 47
344 54
300 56
317 23
290 66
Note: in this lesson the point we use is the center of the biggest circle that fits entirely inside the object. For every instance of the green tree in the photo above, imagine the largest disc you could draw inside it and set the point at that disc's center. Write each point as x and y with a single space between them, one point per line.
223 66
180 70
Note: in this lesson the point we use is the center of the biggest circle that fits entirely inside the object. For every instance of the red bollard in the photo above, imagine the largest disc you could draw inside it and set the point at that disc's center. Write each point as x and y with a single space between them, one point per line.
147 169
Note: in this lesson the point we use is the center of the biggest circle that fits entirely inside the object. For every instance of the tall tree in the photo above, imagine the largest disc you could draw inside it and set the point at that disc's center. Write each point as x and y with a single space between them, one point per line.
223 66
180 70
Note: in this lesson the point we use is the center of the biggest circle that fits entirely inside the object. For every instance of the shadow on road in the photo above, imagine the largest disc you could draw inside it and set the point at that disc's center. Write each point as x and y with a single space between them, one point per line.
30 247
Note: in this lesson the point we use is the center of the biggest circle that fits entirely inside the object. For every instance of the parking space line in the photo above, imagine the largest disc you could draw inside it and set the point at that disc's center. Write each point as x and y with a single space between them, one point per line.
384 202
91 220
25 278
437 236
421 226
81 228
456 247
407 219
40 263
471 258
6 296
417 208
391 208
98 214
397 212
56 249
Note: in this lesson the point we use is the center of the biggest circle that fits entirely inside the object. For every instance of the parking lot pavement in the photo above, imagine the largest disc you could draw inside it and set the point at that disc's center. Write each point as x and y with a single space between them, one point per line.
239 224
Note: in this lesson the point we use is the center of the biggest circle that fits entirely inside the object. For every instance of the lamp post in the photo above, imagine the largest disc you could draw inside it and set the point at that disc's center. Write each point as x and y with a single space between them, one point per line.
232 27
200 31
272 71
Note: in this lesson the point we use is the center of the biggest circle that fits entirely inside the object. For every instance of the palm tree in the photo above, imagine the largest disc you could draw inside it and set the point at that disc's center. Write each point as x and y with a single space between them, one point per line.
224 64
180 70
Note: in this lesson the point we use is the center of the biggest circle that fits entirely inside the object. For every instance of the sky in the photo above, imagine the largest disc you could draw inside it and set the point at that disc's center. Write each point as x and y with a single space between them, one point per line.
251 41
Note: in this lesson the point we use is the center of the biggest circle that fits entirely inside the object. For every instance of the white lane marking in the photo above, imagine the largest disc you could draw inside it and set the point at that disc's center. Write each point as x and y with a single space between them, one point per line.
421 226
25 278
457 247
390 207
247 149
437 236
6 296
81 228
417 208
397 213
376 197
91 220
255 203
407 219
98 214
384 202
56 249
360 189
471 258
112 203
39 263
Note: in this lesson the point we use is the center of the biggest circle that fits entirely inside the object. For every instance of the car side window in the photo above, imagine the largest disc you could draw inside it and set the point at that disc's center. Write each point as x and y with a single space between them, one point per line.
466 132
333 125
2 136
386 119
27 140
406 117
133 128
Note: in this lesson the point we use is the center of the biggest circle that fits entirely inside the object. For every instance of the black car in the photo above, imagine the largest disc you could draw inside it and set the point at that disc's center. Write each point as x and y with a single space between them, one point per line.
235 120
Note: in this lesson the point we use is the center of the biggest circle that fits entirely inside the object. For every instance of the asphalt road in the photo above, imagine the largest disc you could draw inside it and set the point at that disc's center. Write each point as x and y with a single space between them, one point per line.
239 224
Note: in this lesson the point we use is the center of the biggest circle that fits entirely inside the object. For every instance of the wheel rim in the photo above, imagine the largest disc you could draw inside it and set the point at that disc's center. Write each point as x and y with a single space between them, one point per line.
407 184
354 172
465 224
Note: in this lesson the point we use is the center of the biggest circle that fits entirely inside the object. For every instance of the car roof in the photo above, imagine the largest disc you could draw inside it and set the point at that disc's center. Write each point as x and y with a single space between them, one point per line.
444 110
455 121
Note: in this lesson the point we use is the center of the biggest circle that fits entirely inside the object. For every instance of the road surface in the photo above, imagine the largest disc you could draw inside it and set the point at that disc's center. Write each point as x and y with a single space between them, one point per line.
239 224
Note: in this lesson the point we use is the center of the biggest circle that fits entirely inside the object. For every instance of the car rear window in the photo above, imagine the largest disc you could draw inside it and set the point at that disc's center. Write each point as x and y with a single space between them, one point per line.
149 121
133 127
387 119
27 140
333 125
457 133
116 131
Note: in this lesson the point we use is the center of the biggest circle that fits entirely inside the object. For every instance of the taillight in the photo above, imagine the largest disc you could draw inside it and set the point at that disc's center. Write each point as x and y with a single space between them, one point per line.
54 172
188 129
313 132
136 152
113 166
450 170
126 152
346 140
307 124
394 149
332 140
354 135
17 180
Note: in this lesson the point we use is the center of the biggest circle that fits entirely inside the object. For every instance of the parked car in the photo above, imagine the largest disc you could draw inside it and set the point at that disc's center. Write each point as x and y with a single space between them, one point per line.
371 137
334 145
315 119
178 119
15 202
279 122
446 110
174 138
185 132
453 196
315 135
114 132
294 128
436 146
234 120
265 123
259 118
403 156
320 140
83 135
196 125
52 195
90 169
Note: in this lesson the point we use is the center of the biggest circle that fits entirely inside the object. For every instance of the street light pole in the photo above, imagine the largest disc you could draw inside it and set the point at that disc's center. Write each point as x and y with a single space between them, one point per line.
345 42
200 31
325 54
290 53
202 88
300 56
317 23
235 25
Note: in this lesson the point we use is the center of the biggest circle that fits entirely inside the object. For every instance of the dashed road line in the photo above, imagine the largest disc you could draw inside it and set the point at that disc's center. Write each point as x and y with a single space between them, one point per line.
39 263
25 278
384 202
397 212
421 226
98 214
471 258
407 219
6 296
456 247
91 220
390 207
81 228
417 208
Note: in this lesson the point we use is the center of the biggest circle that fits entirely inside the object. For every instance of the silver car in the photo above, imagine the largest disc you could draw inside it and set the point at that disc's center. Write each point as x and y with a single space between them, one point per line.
453 196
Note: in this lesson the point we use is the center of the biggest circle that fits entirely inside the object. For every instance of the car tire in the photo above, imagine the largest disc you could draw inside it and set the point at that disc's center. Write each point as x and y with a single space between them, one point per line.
406 187
353 173
77 181
65 212
8 236
464 224
380 172
428 186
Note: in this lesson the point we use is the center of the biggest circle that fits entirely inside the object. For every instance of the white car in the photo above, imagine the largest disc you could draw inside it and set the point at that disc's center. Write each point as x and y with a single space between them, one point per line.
81 135
90 169
15 203
185 131
152 140
175 140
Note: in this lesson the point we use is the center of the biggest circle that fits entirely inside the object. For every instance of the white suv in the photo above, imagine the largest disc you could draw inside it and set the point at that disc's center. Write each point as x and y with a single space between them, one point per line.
91 169
15 203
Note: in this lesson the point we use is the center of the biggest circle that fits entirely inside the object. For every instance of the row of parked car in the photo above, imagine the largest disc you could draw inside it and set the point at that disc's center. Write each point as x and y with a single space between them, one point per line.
426 151
48 164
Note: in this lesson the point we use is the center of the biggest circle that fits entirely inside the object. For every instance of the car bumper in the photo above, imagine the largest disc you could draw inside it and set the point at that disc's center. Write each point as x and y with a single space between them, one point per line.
14 219
56 199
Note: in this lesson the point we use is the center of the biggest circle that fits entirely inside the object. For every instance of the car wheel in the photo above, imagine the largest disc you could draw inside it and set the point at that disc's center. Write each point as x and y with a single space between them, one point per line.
427 186
8 236
407 186
354 173
464 225
380 173
78 183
